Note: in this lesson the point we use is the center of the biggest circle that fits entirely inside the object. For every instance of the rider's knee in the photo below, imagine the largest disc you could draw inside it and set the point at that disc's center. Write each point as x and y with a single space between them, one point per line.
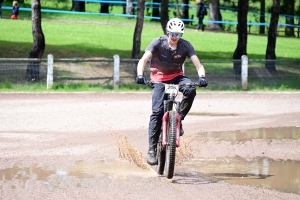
189 92
158 113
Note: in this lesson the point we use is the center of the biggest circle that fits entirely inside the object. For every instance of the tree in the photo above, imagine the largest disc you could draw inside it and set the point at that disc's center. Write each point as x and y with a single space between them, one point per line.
136 49
104 7
155 9
129 7
215 14
177 14
78 6
164 14
185 10
241 49
124 6
270 52
262 16
289 6
38 47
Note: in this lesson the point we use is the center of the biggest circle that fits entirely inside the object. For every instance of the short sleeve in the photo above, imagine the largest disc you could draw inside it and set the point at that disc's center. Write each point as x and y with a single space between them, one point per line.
153 45
190 50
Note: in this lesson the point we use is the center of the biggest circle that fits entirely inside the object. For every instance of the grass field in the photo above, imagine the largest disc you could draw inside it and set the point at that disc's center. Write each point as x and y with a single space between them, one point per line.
82 39
93 35
90 35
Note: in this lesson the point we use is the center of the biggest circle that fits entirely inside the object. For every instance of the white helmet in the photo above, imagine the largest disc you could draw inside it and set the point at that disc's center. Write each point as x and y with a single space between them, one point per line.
175 25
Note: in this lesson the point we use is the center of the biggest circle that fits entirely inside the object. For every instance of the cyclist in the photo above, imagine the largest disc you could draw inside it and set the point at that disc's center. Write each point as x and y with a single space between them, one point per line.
168 53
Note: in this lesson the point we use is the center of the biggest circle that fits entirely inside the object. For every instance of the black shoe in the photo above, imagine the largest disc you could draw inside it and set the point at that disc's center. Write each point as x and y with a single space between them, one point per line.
151 158
181 130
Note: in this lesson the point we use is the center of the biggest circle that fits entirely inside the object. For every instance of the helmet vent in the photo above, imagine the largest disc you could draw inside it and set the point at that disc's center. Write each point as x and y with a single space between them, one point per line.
175 25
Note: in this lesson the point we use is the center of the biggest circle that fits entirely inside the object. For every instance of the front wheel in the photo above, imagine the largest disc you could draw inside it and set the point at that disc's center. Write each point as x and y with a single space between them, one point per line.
161 156
171 145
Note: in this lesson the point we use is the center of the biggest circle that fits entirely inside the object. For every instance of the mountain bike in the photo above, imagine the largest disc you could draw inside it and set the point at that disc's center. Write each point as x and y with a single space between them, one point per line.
169 138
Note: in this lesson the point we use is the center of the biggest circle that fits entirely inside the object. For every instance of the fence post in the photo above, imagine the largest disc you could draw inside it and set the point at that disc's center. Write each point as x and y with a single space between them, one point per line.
244 74
116 76
50 71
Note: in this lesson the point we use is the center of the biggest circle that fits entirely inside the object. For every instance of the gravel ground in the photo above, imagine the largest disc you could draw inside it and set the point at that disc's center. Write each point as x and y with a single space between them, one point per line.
94 145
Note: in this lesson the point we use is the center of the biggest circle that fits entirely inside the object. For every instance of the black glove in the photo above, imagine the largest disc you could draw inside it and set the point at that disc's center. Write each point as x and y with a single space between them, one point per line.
141 80
202 81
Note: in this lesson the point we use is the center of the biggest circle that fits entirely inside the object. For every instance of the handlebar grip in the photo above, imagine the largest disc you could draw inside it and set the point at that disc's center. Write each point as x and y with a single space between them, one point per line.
151 83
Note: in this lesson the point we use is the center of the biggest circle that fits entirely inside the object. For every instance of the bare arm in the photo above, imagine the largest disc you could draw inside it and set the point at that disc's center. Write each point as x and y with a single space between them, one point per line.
142 63
198 65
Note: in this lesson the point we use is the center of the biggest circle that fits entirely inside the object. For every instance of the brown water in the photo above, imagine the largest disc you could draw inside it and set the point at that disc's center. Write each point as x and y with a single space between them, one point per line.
261 133
280 175
81 169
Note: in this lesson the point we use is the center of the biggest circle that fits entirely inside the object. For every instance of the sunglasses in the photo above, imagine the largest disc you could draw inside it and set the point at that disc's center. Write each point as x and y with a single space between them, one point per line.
178 35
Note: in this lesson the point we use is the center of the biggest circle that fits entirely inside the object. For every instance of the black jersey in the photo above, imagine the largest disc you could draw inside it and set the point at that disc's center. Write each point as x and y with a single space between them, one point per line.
166 63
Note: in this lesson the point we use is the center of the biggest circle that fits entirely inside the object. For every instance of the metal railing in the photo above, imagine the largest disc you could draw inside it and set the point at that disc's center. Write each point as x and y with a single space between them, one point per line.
116 71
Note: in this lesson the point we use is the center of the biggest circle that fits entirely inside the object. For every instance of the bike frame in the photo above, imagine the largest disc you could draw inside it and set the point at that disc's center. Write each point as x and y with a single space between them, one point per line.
168 105
169 138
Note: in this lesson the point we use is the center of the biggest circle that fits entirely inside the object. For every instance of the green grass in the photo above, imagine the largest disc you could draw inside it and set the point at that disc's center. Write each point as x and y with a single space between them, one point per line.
258 86
71 87
7 86
70 39
92 35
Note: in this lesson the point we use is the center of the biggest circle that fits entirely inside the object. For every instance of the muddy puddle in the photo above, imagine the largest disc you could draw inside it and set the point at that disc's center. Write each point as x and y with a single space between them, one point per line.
263 172
112 169
261 133
280 175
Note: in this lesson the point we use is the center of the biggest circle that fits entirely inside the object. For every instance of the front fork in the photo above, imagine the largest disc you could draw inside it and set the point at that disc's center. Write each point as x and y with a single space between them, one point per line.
165 121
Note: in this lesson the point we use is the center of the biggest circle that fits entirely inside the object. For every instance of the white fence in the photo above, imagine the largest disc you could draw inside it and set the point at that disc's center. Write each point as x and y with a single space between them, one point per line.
115 72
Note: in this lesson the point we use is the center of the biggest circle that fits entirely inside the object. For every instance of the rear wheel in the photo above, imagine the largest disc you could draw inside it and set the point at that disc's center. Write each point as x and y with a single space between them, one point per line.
171 145
161 156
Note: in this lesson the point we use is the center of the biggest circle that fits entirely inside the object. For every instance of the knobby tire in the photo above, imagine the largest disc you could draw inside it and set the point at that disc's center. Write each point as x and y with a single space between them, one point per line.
161 156
171 145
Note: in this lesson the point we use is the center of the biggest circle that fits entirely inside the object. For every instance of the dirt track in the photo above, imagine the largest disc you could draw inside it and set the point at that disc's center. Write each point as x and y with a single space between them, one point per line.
93 145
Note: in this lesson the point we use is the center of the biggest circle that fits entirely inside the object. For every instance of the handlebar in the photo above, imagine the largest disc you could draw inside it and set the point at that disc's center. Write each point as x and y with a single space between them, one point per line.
193 84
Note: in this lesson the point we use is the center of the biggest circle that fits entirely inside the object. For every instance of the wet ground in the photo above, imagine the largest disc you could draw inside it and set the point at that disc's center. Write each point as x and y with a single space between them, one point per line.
93 146
282 175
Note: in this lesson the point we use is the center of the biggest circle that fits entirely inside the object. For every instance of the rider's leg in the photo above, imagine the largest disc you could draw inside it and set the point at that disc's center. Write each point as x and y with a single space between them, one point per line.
188 97
187 101
155 121
186 104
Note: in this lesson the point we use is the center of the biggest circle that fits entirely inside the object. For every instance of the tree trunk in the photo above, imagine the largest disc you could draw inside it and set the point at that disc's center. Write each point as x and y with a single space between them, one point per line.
214 14
185 11
289 6
177 14
241 48
136 49
78 6
104 7
124 6
129 8
33 67
272 34
155 10
262 16
164 14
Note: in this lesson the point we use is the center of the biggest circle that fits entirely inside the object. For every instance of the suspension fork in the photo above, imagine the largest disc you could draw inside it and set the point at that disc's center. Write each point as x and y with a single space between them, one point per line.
178 119
165 120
